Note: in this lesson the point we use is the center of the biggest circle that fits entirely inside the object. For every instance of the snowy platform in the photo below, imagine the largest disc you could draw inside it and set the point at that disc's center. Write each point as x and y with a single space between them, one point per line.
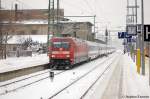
12 64
126 83
15 67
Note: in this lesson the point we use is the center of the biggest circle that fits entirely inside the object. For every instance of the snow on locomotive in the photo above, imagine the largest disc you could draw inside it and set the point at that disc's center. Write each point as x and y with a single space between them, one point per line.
65 52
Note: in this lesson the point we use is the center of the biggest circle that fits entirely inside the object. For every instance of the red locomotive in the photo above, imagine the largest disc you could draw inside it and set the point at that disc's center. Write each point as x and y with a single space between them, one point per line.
66 51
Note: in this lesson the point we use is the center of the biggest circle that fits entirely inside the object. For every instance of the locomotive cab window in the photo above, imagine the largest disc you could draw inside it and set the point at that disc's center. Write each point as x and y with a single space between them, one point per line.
64 45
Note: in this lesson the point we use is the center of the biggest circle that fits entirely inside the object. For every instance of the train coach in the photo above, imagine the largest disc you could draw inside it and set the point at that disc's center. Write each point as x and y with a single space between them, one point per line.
65 52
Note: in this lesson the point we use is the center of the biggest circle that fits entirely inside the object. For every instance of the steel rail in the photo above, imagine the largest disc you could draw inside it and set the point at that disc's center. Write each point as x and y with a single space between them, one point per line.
108 66
52 96
23 79
8 91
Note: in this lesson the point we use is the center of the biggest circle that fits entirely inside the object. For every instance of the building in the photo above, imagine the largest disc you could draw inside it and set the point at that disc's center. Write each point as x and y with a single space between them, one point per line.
25 22
21 22
34 22
29 14
81 30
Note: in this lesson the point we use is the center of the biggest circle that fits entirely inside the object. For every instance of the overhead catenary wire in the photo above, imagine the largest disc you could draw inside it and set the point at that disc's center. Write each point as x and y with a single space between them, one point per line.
78 7
88 5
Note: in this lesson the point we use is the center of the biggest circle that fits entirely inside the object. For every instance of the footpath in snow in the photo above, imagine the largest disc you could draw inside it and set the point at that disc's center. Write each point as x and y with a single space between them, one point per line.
135 86
126 83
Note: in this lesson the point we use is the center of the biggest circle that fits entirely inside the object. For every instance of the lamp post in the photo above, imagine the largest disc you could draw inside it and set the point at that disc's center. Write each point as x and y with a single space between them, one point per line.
142 31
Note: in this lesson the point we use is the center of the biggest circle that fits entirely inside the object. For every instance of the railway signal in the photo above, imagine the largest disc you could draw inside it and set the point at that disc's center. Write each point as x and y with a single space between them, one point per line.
51 74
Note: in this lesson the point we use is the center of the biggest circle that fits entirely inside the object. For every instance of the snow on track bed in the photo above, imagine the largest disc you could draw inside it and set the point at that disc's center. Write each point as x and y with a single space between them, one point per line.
13 85
8 84
92 76
46 88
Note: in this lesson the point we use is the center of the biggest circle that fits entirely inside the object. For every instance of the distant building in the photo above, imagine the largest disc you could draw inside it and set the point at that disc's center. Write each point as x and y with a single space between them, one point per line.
81 30
27 22
34 22
28 14
13 22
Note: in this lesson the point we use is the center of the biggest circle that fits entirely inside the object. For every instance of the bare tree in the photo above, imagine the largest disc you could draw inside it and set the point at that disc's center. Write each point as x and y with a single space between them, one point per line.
4 38
27 43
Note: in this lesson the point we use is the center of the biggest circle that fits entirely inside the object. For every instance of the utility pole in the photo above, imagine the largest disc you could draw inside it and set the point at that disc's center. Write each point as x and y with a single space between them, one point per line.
149 60
130 23
16 12
58 26
0 4
138 34
106 39
48 32
142 31
50 22
132 27
1 36
94 22
138 41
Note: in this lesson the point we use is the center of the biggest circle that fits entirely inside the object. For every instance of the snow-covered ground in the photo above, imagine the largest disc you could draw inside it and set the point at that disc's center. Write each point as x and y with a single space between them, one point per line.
15 63
134 85
46 88
147 67
131 85
121 79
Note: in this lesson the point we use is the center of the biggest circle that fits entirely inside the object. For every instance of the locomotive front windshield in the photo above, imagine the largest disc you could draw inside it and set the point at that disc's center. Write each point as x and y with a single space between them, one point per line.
64 45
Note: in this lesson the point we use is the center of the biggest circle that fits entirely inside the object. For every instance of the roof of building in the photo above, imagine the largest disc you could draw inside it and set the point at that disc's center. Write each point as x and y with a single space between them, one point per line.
44 22
100 41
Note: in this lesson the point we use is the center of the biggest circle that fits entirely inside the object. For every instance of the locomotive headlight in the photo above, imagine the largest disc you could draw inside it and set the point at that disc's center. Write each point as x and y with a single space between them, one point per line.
67 55
53 56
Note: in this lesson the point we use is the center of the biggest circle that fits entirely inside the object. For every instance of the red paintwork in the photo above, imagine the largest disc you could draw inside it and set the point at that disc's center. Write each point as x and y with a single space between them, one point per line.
78 49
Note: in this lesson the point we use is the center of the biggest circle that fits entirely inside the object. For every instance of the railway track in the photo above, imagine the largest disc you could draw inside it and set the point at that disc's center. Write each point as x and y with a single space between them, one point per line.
17 81
3 85
84 75
43 78
98 78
